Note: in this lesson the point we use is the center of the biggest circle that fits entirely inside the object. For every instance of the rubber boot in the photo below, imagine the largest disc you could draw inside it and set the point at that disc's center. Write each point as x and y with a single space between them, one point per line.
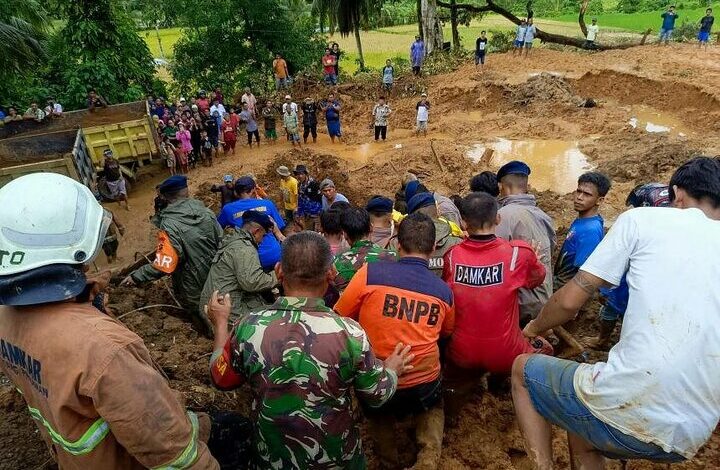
382 430
606 330
429 430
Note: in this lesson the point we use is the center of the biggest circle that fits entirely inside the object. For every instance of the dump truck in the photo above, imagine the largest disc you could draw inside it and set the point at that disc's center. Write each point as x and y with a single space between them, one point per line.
73 144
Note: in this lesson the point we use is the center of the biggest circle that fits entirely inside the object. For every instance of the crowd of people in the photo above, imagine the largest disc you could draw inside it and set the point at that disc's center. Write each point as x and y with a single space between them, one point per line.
407 301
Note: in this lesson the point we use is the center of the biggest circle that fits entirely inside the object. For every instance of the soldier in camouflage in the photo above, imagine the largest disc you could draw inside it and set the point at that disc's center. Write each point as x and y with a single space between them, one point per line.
356 228
444 239
236 268
301 361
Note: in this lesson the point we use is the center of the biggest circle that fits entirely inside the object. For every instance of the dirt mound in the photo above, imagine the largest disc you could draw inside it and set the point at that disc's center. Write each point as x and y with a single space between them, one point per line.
544 87
209 198
639 156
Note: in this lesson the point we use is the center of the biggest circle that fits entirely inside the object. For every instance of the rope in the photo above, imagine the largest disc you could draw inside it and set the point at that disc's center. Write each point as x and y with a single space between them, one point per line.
147 307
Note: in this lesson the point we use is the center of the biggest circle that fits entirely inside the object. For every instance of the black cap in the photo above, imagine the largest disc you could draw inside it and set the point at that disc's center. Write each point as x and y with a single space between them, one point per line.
172 184
419 201
244 184
259 218
300 169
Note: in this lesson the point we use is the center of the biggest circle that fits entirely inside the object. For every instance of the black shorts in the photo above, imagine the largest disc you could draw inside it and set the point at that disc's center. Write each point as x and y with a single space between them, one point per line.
407 401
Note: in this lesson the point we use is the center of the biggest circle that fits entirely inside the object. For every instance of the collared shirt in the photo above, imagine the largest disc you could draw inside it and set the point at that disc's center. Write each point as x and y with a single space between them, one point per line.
361 252
309 198
301 361
381 113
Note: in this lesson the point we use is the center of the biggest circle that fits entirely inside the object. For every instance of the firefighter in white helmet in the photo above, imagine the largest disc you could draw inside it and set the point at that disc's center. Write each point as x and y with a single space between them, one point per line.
88 381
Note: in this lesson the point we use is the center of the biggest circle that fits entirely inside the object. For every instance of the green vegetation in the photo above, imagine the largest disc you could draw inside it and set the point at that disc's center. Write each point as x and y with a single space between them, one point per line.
639 21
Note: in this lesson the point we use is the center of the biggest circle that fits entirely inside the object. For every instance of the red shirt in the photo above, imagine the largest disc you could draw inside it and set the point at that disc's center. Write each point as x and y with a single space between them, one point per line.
328 62
485 275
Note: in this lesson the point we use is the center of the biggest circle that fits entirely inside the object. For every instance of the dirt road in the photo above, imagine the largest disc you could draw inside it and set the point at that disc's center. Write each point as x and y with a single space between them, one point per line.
656 106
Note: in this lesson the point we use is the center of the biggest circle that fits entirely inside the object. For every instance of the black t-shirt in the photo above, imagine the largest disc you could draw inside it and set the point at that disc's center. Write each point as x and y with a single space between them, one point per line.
309 113
312 191
706 23
211 127
481 45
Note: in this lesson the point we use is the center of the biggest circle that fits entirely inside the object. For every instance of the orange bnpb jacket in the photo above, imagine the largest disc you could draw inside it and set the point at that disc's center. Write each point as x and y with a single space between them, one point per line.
402 302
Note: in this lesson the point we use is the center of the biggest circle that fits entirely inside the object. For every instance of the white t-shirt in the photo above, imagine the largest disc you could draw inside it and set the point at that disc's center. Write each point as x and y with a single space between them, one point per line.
293 106
422 113
530 33
219 108
661 383
592 32
520 34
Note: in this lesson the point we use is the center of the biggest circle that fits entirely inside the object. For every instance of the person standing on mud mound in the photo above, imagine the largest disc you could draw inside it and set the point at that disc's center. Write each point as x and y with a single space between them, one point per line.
706 24
616 299
88 381
329 194
226 190
381 112
236 268
302 390
329 61
417 55
309 109
375 298
522 219
656 396
586 231
289 189
331 107
188 239
309 198
486 274
530 33
668 25
246 190
519 42
423 112
270 115
292 127
592 32
480 50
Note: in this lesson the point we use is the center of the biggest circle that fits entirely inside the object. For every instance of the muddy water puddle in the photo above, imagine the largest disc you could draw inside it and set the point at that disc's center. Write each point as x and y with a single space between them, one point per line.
555 164
654 121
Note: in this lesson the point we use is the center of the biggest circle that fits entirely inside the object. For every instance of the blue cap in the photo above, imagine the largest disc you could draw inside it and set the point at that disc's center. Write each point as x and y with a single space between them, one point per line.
411 189
419 201
259 218
172 184
244 184
514 167
379 204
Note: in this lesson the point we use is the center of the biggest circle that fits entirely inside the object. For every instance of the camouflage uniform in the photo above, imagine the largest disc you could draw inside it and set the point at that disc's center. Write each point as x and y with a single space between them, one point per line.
236 270
301 361
444 240
361 252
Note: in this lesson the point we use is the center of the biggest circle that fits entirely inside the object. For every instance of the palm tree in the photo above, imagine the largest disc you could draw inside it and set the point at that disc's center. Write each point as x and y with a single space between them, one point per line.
23 27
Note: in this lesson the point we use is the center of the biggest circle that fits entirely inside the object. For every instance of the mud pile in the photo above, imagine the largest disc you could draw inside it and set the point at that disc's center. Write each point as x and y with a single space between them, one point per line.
544 87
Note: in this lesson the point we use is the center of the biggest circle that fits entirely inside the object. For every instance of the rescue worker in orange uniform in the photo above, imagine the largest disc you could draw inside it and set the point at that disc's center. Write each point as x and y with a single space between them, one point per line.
406 302
88 381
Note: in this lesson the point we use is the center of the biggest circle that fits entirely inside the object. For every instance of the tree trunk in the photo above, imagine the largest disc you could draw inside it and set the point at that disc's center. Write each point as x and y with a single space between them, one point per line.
454 25
581 17
420 17
358 43
432 28
157 33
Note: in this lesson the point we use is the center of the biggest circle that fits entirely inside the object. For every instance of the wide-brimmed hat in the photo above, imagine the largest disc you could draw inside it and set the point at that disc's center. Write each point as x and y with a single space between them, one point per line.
283 171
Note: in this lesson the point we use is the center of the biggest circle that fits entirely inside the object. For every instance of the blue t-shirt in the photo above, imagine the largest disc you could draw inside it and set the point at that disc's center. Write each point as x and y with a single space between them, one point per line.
338 198
668 21
269 249
617 297
582 239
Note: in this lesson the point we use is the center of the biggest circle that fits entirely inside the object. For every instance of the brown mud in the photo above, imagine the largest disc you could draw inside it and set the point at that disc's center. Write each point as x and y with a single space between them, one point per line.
514 100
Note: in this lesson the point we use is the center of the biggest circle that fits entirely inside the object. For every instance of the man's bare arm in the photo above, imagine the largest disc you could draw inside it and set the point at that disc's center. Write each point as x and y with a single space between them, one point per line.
565 303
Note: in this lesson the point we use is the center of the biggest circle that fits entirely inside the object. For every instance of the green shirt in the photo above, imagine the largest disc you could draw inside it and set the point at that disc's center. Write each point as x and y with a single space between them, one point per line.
361 252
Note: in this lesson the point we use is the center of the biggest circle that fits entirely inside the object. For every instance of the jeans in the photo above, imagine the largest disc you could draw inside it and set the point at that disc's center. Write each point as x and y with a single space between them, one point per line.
251 134
665 34
330 79
280 83
549 382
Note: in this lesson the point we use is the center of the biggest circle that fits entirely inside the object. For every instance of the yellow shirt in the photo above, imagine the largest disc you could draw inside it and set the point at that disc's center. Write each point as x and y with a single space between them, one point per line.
289 188
454 228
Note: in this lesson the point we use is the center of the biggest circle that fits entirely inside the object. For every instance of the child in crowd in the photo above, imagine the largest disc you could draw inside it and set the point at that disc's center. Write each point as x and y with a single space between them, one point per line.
206 148
167 152
423 109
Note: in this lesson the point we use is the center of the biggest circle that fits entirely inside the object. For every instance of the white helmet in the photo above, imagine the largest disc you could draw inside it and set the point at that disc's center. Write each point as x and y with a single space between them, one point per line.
48 219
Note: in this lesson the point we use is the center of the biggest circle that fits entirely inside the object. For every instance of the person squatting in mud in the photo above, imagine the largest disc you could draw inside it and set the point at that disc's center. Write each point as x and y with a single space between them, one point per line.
301 359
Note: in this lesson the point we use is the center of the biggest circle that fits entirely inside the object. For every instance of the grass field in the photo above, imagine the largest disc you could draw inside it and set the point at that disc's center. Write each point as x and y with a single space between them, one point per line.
639 21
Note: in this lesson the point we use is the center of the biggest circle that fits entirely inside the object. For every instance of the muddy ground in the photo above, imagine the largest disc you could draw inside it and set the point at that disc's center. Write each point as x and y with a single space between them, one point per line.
678 87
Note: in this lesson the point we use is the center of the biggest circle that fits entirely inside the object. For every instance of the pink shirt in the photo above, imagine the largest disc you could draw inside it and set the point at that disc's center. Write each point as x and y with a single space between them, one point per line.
184 138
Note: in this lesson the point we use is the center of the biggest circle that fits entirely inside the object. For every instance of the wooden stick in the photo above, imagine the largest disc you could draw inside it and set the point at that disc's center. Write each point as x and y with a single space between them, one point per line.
147 307
569 339
440 163
487 156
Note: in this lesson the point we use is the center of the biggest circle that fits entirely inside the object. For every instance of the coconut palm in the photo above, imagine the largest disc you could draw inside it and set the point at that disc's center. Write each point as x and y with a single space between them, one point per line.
23 26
